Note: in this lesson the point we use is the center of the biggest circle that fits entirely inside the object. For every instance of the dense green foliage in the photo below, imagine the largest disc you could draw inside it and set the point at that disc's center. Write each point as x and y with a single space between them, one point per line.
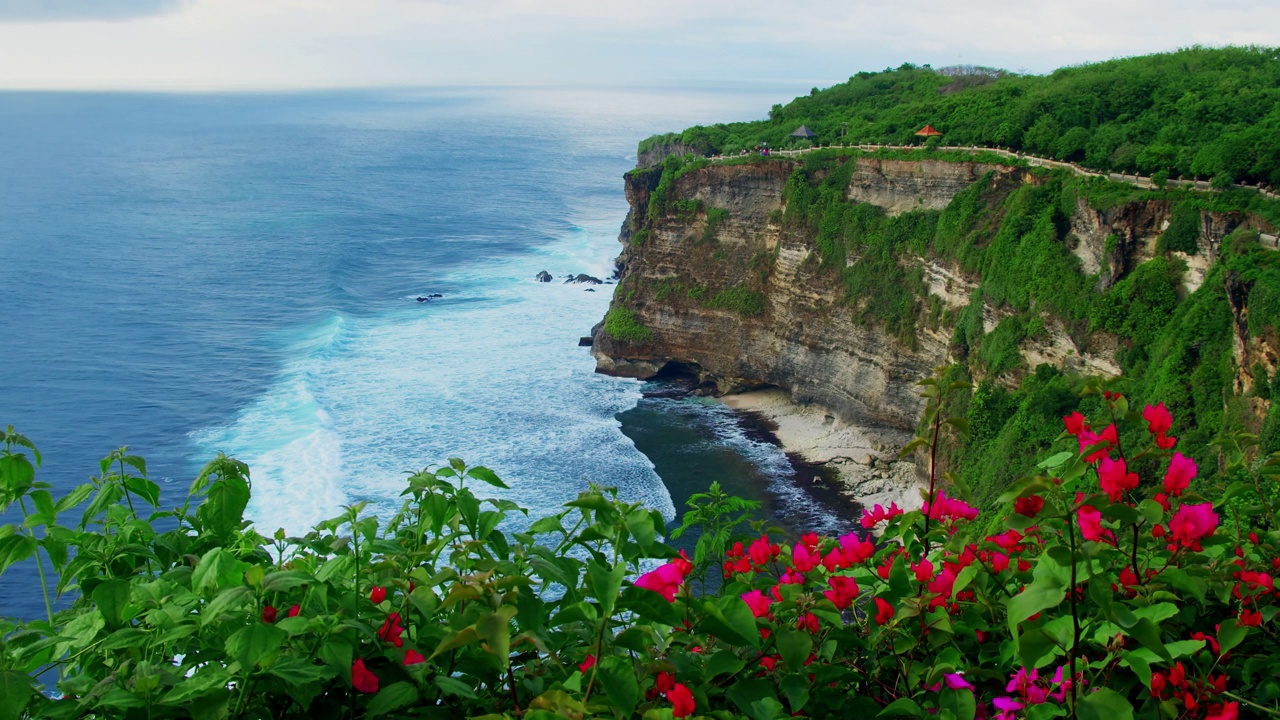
1099 596
1198 112
744 301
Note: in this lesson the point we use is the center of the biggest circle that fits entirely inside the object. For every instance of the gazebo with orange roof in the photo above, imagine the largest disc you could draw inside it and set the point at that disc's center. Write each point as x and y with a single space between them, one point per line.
929 131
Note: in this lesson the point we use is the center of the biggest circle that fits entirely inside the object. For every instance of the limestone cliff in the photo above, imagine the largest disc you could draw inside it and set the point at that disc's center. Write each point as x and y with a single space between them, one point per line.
730 294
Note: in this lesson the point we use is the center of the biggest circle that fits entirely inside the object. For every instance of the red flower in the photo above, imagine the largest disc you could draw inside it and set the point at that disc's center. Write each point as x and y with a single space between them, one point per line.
923 570
1107 440
1115 479
1250 618
1157 685
809 622
293 611
947 508
682 704
1181 470
665 682
762 551
362 679
878 513
843 591
884 611
413 657
268 614
1164 442
377 594
856 550
1158 419
1090 520
768 662
391 630
804 559
587 664
1075 423
1029 506
1228 711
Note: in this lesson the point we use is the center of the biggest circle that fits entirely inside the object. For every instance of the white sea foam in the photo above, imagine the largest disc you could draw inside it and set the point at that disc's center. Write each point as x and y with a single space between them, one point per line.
494 376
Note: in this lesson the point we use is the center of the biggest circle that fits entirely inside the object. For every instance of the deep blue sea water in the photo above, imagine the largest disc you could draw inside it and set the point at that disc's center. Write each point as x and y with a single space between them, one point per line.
189 274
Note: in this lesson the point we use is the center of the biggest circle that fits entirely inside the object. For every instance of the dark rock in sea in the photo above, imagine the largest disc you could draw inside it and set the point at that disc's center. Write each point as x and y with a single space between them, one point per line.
423 299
590 290
583 278
435 295
584 341
543 276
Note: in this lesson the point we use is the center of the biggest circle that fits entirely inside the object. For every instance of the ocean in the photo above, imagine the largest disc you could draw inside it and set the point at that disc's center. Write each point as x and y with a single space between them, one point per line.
193 274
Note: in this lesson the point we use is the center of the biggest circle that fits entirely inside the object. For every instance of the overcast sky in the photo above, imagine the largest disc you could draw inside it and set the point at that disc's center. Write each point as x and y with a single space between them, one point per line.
295 44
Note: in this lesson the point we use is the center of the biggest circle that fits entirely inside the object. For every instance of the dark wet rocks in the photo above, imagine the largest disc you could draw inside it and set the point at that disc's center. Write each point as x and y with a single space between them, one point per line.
543 276
583 278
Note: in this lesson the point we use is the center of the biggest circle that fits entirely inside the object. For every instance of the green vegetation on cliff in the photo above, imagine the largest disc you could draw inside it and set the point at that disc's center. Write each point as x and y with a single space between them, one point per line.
1198 112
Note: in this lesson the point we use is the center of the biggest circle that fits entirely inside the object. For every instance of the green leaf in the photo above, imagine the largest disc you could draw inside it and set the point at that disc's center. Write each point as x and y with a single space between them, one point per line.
1056 460
285 580
296 671
619 680
577 612
960 702
1230 634
604 583
794 646
1139 666
650 606
1034 645
748 692
217 569
255 645
465 636
226 601
729 618
546 525
454 686
111 597
391 698
724 662
484 474
1044 593
640 525
494 628
1104 704
15 692
206 680
123 638
796 688
902 707
77 495
1146 632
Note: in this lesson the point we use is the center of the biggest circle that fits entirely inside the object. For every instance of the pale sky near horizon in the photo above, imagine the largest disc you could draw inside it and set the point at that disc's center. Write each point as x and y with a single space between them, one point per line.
195 45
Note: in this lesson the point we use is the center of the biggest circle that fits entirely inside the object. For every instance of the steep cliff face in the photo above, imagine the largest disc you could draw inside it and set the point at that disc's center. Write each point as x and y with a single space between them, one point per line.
731 294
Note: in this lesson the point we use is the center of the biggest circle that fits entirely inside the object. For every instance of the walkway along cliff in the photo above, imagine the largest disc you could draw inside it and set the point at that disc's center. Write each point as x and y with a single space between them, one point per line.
844 277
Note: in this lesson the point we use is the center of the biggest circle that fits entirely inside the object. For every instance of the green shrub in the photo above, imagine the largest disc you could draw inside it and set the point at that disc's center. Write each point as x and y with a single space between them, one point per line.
715 216
1183 233
622 324
741 300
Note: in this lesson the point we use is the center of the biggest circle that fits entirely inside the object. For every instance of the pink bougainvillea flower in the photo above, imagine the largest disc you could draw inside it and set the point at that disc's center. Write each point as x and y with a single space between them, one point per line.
1115 479
762 551
1107 440
833 560
1029 506
856 550
413 657
878 513
943 584
884 611
665 580
1006 708
362 679
956 681
268 614
758 602
790 577
683 564
1192 523
803 558
681 698
1159 421
1178 477
843 591
587 664
923 570
945 508
1075 423
1165 442
293 611
1090 520
810 541
377 594
664 682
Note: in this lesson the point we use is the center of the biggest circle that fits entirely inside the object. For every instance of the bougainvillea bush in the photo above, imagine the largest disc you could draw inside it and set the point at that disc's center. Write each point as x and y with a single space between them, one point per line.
1109 594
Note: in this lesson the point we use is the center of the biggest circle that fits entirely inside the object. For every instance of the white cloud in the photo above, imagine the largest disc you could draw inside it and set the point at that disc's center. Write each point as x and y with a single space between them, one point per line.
265 44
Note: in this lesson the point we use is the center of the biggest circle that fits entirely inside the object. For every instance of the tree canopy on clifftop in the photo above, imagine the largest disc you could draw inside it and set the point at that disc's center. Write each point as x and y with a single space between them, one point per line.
1198 112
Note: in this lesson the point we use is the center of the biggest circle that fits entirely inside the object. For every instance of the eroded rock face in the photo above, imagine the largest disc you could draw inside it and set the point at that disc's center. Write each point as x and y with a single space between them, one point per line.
798 333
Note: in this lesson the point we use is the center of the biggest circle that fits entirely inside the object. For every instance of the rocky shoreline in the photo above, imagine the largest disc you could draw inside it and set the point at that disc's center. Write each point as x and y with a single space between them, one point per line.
860 463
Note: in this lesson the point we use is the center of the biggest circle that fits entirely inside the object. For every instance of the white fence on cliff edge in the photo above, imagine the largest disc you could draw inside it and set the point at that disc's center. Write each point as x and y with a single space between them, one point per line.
1142 181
